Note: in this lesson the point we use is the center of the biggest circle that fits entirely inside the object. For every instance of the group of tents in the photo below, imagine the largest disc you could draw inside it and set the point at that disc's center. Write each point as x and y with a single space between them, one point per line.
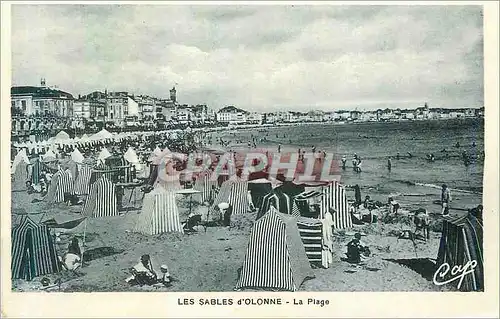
291 231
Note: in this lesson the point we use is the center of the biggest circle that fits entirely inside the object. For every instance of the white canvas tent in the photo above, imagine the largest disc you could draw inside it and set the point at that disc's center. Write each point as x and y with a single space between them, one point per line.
103 155
77 156
101 135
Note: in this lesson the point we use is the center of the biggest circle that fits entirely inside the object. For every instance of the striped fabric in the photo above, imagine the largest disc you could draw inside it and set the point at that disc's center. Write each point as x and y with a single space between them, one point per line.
284 203
335 196
33 251
462 242
275 257
311 234
36 169
307 195
101 201
159 213
238 197
205 184
234 192
61 183
103 169
82 183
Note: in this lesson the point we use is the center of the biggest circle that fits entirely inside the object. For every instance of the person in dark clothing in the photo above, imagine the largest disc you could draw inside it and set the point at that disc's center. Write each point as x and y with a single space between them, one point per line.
227 216
477 212
355 249
74 247
357 195
389 164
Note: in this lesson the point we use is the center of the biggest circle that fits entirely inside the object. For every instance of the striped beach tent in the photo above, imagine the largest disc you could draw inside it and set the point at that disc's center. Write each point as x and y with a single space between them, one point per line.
101 201
235 192
61 183
280 200
259 188
311 234
102 169
275 256
160 213
206 184
462 242
335 197
33 251
35 170
82 182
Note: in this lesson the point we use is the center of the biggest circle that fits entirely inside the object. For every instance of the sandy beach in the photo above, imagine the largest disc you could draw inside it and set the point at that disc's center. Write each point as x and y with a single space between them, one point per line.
209 261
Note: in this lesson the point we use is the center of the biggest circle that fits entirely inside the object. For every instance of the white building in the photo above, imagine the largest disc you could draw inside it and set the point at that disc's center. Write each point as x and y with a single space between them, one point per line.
81 109
32 100
232 115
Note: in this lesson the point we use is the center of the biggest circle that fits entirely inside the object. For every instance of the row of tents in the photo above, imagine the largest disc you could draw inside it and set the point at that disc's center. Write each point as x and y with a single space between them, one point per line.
283 242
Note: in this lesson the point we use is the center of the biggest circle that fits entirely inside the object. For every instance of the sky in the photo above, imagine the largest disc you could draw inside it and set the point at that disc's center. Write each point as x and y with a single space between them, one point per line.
259 57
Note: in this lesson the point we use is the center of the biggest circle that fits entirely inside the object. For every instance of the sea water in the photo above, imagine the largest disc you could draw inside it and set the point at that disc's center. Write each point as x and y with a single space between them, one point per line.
412 181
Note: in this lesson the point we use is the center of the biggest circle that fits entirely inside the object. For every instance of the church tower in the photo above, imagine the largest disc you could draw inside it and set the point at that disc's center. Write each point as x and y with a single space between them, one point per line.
173 95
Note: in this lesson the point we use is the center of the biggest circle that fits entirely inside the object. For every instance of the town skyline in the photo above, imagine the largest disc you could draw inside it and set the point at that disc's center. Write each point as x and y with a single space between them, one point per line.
305 58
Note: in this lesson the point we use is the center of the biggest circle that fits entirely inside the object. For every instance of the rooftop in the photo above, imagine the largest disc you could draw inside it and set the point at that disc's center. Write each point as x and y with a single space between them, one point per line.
39 92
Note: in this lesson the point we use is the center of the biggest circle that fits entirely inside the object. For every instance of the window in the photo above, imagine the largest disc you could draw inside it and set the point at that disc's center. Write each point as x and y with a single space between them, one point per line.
23 105
13 103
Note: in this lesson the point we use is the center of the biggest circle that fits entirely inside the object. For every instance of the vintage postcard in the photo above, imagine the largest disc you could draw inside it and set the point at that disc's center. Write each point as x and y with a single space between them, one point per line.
174 159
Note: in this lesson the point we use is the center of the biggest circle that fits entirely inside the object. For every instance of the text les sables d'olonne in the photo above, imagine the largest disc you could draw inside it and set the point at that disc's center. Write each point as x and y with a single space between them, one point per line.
250 302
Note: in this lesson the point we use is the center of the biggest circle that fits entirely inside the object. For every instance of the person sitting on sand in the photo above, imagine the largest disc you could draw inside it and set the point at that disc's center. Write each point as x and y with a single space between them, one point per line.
72 259
356 250
367 202
143 273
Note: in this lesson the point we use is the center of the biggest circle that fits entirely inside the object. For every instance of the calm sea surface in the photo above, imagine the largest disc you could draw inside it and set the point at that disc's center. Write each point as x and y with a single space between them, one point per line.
414 181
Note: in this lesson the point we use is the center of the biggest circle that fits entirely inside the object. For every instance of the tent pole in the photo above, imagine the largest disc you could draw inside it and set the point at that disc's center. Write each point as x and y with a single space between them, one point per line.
83 244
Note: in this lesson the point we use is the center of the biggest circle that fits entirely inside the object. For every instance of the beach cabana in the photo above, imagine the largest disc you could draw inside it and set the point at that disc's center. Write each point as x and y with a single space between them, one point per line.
61 183
77 156
275 257
235 192
281 198
101 135
206 184
62 138
19 171
160 213
333 195
33 251
462 243
103 155
101 201
82 181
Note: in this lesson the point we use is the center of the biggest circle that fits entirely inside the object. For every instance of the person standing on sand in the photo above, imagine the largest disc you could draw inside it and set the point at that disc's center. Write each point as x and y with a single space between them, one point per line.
344 160
389 164
445 200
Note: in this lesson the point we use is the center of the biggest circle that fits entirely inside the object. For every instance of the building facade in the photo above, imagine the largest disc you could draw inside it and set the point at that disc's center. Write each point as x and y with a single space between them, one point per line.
232 115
